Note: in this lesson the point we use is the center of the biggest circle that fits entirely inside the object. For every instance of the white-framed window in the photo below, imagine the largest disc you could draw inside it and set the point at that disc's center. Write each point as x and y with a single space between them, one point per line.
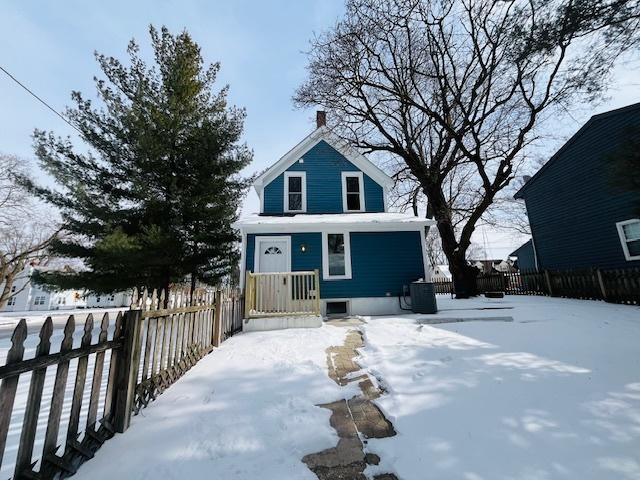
352 192
336 256
97 299
295 192
11 301
629 232
39 300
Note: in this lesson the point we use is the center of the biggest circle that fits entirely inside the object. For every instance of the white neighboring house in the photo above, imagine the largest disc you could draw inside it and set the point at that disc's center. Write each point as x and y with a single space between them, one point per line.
34 297
441 273
493 266
108 300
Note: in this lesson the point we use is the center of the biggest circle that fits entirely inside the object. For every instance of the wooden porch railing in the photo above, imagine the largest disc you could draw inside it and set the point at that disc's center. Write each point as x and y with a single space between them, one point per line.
281 294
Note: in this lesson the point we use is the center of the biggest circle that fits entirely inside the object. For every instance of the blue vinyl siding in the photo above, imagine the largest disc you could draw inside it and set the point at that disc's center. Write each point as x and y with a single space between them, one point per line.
572 204
381 262
323 165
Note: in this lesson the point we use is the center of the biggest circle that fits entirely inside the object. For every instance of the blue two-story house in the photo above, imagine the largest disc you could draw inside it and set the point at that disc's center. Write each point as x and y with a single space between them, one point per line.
323 207
579 217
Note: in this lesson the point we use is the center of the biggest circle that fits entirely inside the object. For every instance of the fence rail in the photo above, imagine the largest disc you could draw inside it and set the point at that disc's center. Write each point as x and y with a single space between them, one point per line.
617 286
97 386
278 294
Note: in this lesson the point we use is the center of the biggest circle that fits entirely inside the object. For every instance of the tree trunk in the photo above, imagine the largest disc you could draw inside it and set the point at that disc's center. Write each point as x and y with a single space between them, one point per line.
193 285
464 276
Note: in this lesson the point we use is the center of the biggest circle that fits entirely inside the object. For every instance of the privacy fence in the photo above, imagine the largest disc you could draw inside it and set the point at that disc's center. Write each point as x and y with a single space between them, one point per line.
617 286
54 419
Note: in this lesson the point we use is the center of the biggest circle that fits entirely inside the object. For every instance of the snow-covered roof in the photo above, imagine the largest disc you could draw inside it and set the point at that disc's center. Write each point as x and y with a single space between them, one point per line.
444 270
352 221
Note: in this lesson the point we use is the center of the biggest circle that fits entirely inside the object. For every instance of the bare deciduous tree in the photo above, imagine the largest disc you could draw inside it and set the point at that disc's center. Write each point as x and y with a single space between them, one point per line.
25 230
455 91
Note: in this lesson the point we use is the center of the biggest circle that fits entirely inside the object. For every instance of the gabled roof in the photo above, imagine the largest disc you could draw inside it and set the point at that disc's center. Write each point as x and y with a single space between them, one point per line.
310 141
618 111
524 246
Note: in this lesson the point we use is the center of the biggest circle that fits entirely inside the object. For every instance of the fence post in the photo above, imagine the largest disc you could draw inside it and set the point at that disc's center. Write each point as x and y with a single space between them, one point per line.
316 273
601 283
127 375
547 276
247 295
217 320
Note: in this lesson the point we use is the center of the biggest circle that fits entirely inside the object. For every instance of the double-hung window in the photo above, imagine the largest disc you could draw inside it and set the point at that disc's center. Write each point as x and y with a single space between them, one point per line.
336 256
629 232
352 192
295 192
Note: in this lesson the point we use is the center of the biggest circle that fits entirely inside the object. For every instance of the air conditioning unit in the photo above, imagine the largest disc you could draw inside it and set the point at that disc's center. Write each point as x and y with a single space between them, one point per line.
423 297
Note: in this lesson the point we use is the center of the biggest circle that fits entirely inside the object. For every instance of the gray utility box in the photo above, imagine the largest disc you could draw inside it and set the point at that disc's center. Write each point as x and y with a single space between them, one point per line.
423 297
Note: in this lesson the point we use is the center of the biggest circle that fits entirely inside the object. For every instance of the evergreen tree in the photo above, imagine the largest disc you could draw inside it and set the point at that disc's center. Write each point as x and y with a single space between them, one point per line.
153 199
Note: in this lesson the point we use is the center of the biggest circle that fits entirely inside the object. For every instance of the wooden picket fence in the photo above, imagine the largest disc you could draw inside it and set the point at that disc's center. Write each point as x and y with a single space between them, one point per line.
138 354
616 286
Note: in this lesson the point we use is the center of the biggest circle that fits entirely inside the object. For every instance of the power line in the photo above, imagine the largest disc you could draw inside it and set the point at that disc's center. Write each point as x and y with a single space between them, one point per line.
40 100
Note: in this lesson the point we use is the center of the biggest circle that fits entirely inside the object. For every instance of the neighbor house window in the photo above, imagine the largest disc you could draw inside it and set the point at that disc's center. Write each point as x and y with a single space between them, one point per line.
12 301
295 192
336 256
352 192
39 300
629 232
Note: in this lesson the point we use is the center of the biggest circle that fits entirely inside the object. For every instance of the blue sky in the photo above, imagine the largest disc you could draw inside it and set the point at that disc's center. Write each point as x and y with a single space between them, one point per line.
49 46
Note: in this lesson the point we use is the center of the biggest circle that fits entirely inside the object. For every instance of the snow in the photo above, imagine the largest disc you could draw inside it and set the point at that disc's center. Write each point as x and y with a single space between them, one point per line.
527 388
246 411
553 394
334 219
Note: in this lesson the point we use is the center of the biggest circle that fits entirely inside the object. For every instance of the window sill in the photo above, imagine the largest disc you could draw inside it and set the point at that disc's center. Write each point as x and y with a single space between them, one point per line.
341 277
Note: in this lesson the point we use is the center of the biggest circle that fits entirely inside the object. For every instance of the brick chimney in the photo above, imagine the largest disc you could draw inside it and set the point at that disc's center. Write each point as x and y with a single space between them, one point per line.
321 118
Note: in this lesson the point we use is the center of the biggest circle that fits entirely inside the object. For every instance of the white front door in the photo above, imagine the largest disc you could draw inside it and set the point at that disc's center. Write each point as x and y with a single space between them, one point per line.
273 254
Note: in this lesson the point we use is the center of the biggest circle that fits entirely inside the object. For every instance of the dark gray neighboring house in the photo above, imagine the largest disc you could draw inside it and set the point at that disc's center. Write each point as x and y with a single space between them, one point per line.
579 219
526 256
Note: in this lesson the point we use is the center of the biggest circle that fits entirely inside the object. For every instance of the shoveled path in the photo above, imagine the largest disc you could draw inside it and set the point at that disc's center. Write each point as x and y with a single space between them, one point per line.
355 419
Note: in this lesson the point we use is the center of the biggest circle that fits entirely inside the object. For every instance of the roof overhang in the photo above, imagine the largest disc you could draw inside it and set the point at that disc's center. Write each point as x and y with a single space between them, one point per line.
352 222
322 133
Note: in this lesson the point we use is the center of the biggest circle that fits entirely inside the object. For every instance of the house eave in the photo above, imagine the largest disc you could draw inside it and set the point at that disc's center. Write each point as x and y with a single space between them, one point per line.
322 133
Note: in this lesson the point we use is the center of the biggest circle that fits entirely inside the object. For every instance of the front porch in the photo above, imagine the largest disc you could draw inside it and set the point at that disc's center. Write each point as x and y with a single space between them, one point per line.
282 294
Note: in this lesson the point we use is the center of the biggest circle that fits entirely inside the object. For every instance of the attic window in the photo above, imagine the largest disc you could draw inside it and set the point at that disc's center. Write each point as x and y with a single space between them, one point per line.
352 192
295 192
629 232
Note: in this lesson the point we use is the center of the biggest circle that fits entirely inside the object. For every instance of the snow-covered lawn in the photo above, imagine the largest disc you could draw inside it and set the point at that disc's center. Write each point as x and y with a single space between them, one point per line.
554 394
246 411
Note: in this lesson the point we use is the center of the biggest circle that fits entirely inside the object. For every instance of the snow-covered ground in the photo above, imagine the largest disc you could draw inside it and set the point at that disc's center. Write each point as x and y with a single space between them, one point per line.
553 394
246 411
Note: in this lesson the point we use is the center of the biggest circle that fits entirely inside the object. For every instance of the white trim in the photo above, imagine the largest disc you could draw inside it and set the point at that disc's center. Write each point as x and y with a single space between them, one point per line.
385 192
425 258
623 238
285 204
347 255
257 250
360 178
330 228
310 141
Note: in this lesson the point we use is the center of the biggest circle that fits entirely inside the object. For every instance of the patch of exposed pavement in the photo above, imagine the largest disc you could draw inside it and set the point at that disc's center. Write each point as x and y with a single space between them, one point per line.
355 419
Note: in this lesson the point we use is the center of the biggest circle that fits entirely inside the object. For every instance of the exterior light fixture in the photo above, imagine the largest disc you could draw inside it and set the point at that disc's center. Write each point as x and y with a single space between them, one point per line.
303 247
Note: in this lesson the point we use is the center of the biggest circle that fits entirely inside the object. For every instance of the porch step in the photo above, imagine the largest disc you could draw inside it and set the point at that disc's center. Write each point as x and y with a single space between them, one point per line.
280 323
